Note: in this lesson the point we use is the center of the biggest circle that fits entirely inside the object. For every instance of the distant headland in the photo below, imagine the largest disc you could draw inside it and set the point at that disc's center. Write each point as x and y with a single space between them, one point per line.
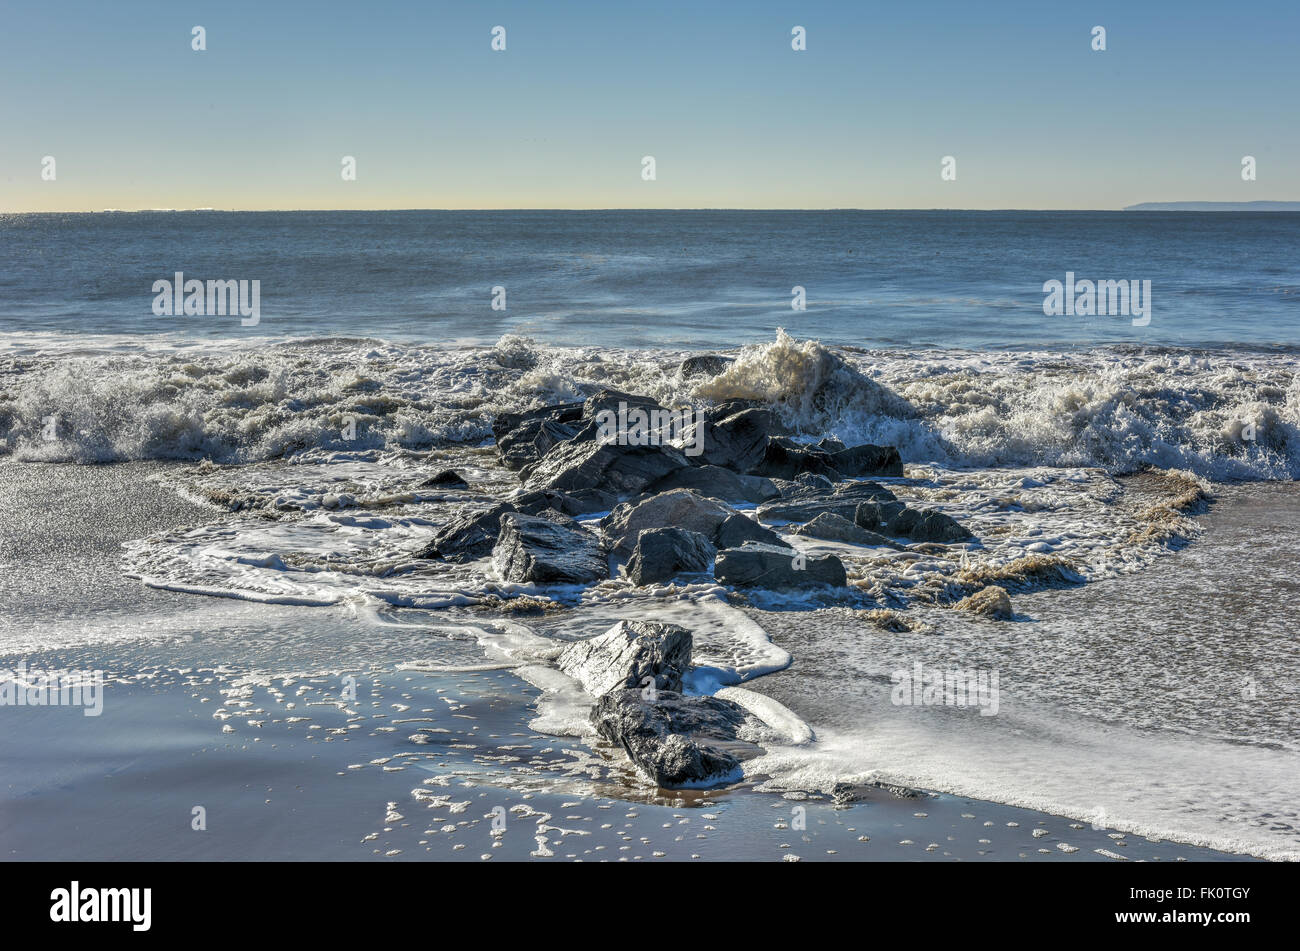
1215 206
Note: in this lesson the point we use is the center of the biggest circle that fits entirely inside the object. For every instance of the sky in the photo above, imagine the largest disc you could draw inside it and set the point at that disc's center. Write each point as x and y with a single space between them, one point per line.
135 118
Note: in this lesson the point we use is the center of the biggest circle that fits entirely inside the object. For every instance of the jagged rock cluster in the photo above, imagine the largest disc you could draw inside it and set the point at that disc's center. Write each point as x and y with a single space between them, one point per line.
669 509
635 671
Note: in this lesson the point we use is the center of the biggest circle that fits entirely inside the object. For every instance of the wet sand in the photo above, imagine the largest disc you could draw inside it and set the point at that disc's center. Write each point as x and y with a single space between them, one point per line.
415 766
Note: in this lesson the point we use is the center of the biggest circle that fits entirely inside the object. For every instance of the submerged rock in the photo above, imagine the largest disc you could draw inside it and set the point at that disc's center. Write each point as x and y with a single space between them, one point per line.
675 740
680 508
630 654
447 479
754 565
556 550
663 553
718 483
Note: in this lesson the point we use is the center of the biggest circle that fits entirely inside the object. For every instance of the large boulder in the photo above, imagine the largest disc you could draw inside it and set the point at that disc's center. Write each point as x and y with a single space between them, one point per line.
754 565
630 654
547 550
739 528
868 460
618 470
782 460
672 739
468 536
718 483
680 508
836 528
663 553
608 400
503 423
738 441
581 502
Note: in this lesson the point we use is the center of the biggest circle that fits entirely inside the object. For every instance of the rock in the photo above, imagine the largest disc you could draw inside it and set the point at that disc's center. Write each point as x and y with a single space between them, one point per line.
809 507
754 565
680 508
871 491
707 364
829 444
534 548
922 525
609 400
738 529
805 486
836 528
718 483
530 441
447 479
467 537
674 740
618 470
629 654
663 553
782 461
581 502
868 460
739 441
991 602
560 413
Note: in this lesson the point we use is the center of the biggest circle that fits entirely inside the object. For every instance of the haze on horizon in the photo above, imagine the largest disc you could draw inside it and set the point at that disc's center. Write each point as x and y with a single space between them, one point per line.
734 117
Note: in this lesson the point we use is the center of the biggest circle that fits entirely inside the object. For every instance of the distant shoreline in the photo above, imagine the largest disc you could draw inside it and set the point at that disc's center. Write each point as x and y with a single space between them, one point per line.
1215 206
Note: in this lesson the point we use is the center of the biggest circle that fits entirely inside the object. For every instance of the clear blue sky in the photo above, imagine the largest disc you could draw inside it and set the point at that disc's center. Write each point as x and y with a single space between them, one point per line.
733 116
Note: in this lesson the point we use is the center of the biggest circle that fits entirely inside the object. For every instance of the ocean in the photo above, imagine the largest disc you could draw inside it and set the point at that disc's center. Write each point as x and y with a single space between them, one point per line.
225 515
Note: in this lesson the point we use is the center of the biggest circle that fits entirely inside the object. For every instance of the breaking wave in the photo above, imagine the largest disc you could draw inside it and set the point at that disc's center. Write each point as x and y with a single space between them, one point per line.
1224 415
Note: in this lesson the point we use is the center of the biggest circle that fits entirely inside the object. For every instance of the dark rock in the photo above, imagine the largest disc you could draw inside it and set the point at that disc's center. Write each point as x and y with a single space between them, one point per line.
630 654
754 565
680 508
870 491
806 503
609 400
618 470
830 444
710 364
467 537
531 440
674 740
731 407
922 525
868 461
738 529
447 479
784 462
805 486
560 413
837 528
581 502
663 553
738 441
718 483
546 551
